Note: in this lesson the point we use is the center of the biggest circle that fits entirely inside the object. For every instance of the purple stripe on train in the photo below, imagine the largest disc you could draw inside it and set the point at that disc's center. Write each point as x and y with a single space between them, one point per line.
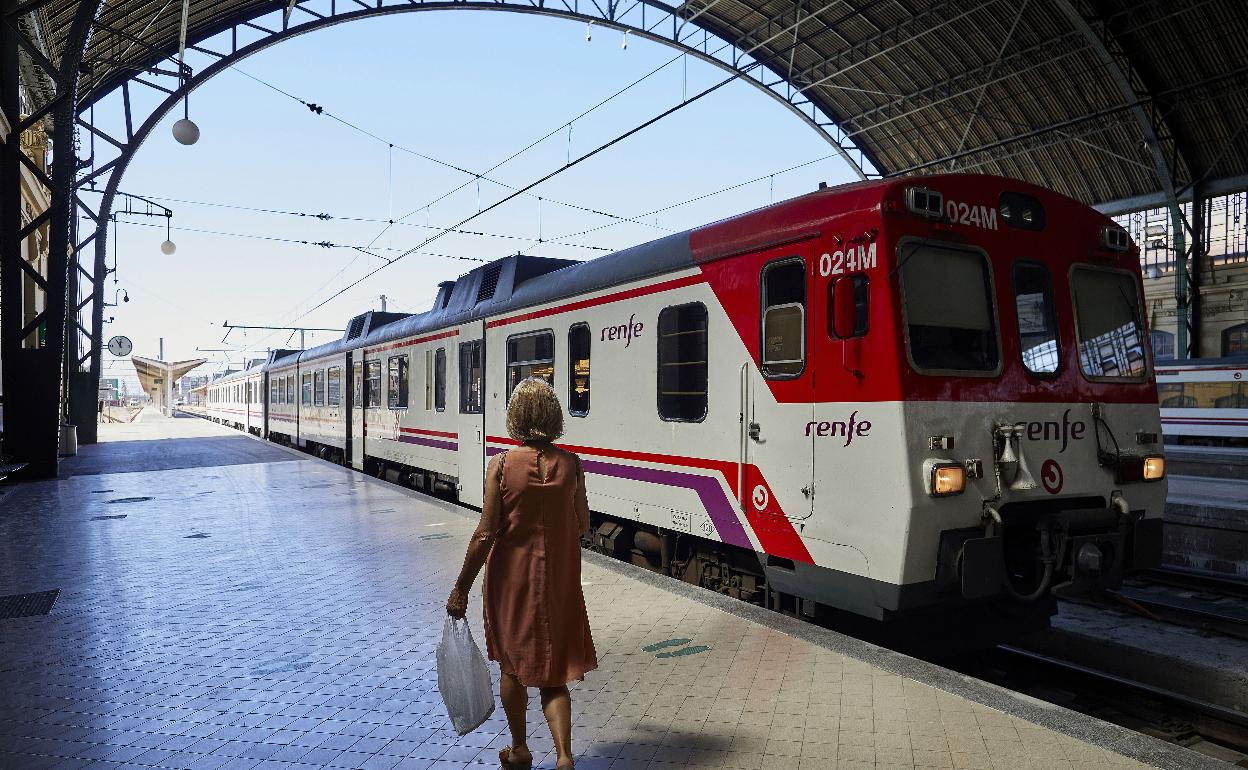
436 444
723 515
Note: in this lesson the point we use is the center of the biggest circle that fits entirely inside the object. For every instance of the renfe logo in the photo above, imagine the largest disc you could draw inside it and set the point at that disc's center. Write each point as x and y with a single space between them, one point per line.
848 429
626 332
1051 430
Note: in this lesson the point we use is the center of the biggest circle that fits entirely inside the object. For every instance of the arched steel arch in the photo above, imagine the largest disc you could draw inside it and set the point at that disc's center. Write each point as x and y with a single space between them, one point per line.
648 19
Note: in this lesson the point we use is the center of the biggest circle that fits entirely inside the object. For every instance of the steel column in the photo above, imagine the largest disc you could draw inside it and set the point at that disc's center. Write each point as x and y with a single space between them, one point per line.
34 379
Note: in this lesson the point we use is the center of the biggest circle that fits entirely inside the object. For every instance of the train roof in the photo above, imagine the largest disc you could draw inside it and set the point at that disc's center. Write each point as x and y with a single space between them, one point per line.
508 284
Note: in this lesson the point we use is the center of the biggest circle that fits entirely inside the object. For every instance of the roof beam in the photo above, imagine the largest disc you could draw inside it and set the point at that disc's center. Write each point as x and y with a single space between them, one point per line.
1144 110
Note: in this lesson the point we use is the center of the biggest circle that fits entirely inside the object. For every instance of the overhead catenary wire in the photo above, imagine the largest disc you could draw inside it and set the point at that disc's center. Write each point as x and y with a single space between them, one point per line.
348 218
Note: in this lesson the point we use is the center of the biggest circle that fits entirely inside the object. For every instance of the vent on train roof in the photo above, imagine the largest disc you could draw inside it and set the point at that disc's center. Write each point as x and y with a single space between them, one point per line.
356 328
489 280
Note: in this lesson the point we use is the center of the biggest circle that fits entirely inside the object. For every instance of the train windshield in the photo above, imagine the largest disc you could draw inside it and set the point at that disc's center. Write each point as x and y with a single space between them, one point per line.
950 323
1107 308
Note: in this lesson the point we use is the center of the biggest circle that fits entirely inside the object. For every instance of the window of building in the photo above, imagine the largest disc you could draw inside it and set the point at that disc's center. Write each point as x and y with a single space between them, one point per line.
784 318
372 384
318 387
578 369
439 380
1107 311
471 372
860 285
1037 317
333 386
306 395
1235 340
1163 344
950 323
530 355
682 362
396 382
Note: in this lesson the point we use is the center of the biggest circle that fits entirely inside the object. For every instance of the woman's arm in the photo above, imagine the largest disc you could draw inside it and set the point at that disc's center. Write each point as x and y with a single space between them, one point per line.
582 500
481 542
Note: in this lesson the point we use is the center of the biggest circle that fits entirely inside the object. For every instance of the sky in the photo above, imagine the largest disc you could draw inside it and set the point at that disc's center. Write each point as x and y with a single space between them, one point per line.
467 88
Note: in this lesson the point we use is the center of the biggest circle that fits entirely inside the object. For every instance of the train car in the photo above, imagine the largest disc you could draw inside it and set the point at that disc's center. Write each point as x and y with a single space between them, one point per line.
892 399
1204 401
281 374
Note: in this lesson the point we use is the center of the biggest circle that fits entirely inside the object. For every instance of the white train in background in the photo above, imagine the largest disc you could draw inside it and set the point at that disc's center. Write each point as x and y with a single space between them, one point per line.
1204 401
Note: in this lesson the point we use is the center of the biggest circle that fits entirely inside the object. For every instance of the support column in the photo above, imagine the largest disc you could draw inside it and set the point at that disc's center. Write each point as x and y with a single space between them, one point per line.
1200 257
34 353
11 299
1177 243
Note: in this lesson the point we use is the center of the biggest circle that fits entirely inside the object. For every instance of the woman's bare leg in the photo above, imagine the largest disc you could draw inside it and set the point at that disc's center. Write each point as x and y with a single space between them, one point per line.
557 705
515 698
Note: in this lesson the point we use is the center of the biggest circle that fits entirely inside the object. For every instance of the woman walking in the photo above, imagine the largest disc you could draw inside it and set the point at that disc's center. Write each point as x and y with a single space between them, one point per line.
532 519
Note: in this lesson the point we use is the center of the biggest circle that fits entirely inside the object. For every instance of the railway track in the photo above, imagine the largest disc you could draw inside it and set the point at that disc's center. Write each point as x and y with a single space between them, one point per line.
1211 603
1208 728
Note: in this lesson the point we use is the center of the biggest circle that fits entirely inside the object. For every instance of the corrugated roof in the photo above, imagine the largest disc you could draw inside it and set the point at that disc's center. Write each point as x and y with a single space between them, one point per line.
1068 94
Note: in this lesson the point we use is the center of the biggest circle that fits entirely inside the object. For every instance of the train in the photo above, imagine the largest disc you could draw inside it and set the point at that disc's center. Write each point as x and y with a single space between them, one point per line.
903 398
1204 401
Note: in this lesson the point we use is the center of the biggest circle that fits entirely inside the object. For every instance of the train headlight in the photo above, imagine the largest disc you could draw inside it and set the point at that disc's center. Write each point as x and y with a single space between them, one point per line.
1154 468
945 479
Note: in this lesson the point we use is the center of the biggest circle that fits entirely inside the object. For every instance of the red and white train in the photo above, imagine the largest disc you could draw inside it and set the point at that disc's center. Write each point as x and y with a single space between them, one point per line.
889 398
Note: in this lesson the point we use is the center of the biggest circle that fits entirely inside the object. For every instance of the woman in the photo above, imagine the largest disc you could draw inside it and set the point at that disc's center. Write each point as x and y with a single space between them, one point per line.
534 514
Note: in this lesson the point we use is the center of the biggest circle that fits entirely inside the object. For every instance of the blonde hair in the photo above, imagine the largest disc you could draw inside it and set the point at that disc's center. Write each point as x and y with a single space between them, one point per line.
534 412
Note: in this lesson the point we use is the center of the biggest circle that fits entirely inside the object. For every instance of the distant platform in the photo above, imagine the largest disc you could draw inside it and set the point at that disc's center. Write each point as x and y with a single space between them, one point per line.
268 610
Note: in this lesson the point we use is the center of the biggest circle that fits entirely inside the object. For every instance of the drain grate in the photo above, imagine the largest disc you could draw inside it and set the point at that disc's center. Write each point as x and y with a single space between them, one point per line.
101 491
196 536
27 605
106 518
130 500
439 536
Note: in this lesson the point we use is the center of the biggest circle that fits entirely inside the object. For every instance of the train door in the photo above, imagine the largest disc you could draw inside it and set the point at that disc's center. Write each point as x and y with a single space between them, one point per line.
777 395
471 362
355 411
266 401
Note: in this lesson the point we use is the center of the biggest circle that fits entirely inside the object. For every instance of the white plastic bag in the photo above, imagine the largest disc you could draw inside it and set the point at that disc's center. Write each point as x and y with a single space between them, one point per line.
463 677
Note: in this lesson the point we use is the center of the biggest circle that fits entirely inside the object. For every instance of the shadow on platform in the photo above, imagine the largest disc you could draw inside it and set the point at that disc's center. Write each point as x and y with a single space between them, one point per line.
170 453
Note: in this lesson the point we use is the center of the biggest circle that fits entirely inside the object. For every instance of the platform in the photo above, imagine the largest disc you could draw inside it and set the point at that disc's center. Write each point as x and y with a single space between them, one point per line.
264 609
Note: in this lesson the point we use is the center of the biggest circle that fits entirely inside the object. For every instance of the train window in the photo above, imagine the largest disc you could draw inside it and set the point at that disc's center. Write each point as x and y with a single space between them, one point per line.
860 285
530 355
950 323
290 388
1203 395
333 386
682 362
578 366
318 387
396 385
1107 312
372 384
784 318
357 385
428 380
306 389
439 380
273 391
1037 317
471 400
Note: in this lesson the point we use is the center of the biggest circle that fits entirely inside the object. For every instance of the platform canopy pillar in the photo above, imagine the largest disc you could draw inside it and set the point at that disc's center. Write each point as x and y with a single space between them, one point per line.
33 301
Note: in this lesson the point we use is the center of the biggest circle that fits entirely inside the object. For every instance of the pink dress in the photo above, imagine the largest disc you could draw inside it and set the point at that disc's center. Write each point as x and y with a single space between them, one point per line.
536 626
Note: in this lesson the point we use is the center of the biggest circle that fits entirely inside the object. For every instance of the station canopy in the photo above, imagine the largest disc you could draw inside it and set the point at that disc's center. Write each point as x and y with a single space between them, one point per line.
1123 104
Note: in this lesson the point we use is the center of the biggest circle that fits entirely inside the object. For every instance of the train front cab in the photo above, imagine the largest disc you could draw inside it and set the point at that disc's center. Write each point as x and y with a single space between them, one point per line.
984 430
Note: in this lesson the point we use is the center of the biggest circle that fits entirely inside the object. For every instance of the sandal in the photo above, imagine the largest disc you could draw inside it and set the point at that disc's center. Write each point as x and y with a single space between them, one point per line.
504 760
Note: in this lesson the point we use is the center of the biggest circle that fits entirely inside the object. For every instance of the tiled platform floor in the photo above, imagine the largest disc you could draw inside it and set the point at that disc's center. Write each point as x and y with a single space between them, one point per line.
285 614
